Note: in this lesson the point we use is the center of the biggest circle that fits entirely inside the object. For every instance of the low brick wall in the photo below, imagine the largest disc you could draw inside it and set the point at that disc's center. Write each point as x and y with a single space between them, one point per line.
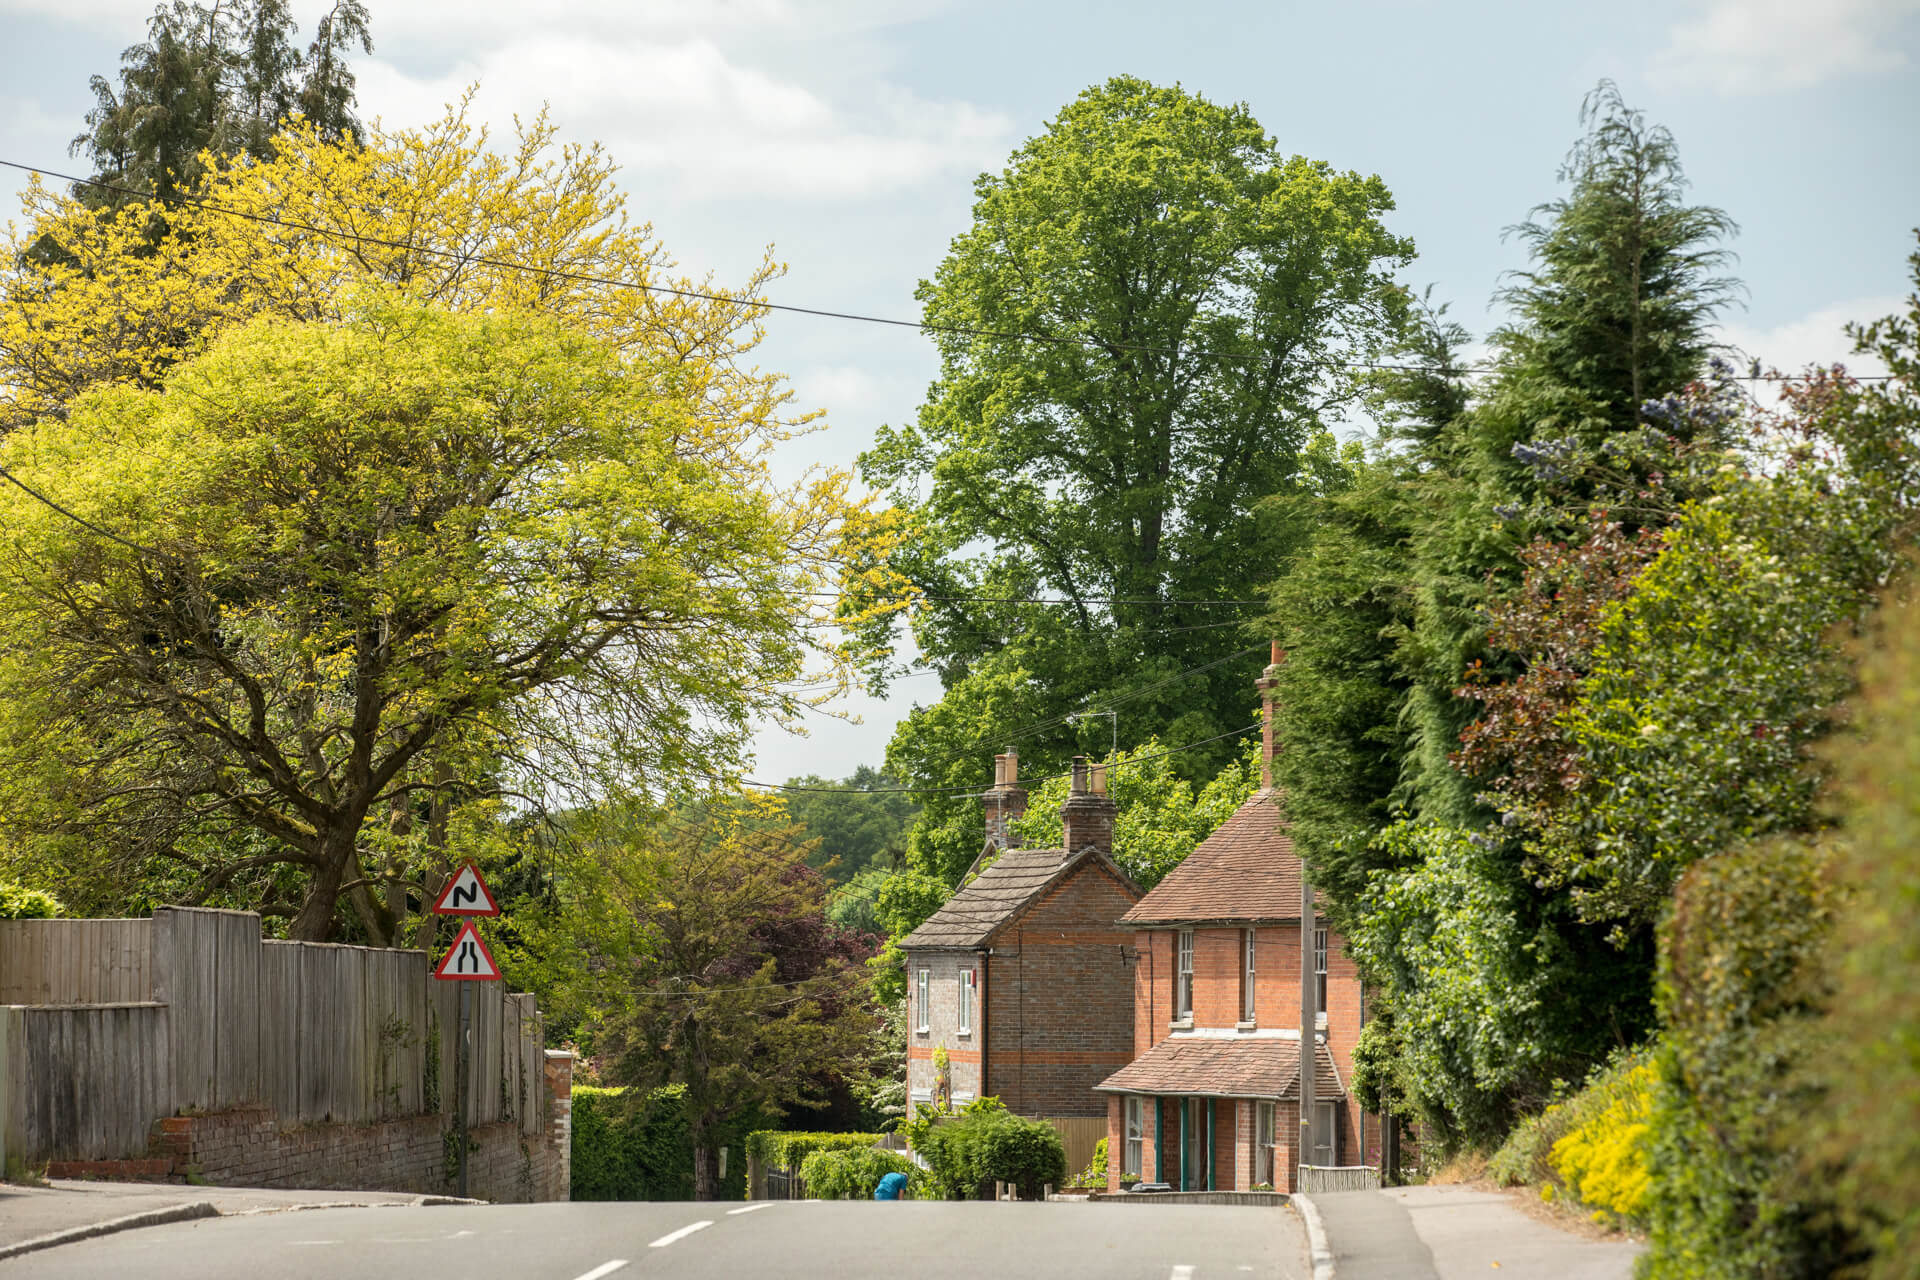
247 1147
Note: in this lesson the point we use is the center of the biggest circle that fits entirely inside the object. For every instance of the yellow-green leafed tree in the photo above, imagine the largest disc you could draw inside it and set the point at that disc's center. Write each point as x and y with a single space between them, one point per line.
91 295
386 550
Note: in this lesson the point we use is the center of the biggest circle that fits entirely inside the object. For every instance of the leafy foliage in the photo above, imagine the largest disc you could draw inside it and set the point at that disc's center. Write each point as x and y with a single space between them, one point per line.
861 822
1199 280
986 1143
1158 818
705 958
630 1150
852 1174
17 902
783 1149
215 84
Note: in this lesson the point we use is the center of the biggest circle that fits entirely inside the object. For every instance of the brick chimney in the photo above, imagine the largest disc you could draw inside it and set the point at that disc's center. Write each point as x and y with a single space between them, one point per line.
1269 681
1006 801
1087 816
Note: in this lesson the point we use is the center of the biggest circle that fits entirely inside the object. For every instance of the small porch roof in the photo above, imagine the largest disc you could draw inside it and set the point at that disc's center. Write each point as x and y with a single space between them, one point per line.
1213 1067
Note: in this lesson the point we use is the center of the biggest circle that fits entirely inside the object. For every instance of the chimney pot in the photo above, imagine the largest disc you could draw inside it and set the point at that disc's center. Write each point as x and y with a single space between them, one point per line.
1099 778
1079 774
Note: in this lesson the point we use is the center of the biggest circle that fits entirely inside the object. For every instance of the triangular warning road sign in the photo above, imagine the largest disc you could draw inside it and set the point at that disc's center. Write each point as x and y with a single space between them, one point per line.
468 959
466 895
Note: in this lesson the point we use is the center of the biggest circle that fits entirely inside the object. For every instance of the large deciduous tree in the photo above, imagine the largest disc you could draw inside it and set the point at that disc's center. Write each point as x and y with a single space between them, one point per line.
405 552
1189 289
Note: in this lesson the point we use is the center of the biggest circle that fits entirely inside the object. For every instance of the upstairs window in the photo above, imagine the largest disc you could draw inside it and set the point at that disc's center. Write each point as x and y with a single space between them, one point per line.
922 987
1183 976
1246 975
966 1002
1320 970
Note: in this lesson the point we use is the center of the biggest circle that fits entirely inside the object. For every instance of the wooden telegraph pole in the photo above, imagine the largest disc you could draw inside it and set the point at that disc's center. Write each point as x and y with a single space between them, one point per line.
1309 1020
467 961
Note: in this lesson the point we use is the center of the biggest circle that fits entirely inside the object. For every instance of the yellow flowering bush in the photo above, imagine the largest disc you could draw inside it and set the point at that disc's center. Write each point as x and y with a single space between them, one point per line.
1603 1161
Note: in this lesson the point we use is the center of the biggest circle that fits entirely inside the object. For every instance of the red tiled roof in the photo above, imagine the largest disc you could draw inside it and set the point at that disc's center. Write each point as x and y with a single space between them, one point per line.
1209 1066
1245 870
1011 882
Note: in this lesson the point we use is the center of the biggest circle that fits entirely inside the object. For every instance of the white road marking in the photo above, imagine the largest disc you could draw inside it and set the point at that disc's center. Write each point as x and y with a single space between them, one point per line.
750 1208
604 1269
316 1242
1182 1272
456 1235
672 1236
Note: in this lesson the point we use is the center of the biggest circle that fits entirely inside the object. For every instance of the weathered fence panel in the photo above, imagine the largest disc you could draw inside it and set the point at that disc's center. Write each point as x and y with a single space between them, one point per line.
84 1082
318 1032
75 961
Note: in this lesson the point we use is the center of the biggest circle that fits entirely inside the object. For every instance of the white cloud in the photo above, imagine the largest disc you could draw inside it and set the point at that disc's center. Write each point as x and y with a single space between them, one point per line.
688 115
1755 46
1817 338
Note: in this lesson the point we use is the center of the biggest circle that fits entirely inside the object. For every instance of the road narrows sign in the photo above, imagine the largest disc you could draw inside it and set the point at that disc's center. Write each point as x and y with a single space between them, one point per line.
468 959
466 894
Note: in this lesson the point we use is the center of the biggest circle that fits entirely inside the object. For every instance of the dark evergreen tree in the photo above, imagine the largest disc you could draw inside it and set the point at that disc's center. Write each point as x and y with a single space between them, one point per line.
215 79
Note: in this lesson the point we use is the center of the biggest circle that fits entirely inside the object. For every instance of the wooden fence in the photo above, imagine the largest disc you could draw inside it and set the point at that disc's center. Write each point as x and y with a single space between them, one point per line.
75 961
317 1032
1079 1135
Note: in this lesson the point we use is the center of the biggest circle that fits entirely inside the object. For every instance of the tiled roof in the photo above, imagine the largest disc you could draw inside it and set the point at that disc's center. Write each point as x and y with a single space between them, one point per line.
998 894
1245 870
1221 1068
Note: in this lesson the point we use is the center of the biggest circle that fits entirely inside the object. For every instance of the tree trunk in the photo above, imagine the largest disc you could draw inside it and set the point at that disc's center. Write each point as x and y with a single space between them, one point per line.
705 1184
315 921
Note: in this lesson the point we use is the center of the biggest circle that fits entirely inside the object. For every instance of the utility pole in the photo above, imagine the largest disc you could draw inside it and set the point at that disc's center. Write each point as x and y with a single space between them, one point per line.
1309 1019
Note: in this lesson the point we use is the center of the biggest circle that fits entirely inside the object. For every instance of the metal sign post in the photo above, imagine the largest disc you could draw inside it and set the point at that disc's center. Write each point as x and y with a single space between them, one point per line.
467 961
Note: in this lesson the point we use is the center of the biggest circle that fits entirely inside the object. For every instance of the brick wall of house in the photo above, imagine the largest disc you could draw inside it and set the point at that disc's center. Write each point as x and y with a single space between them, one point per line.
1059 997
942 1023
247 1147
1216 1002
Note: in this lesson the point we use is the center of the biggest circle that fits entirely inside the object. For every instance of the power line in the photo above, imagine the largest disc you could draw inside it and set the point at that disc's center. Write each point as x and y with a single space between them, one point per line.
923 326
80 520
957 791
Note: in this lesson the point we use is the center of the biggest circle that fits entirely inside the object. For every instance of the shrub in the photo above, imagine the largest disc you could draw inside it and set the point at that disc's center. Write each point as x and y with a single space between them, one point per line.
20 903
626 1149
1094 1176
1603 1158
778 1150
852 1175
987 1143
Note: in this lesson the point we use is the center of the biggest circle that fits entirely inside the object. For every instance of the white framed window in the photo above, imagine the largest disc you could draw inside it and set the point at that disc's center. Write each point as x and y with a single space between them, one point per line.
1246 975
1183 976
1263 1143
1320 969
1132 1157
966 1002
922 989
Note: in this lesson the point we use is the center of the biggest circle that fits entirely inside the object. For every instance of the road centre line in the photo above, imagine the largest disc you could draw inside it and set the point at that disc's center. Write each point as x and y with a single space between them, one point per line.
1182 1272
768 1204
604 1269
672 1236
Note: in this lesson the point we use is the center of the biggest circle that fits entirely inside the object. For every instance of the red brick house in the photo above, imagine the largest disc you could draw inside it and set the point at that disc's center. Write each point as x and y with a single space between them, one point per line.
1023 976
1211 1100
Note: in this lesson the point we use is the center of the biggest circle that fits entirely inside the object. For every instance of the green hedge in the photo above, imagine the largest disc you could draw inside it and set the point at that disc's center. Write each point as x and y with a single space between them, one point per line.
624 1149
853 1175
987 1143
777 1150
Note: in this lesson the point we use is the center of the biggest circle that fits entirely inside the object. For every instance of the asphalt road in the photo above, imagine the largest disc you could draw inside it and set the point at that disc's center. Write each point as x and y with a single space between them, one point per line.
855 1240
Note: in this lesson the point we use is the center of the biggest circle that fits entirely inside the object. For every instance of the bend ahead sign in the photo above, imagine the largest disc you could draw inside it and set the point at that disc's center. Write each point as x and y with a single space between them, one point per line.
466 895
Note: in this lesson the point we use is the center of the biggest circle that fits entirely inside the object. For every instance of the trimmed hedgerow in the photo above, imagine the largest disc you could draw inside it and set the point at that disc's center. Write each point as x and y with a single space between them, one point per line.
853 1175
625 1149
777 1150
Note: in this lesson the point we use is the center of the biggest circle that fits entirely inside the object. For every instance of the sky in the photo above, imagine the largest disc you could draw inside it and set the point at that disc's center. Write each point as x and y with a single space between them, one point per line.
846 135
